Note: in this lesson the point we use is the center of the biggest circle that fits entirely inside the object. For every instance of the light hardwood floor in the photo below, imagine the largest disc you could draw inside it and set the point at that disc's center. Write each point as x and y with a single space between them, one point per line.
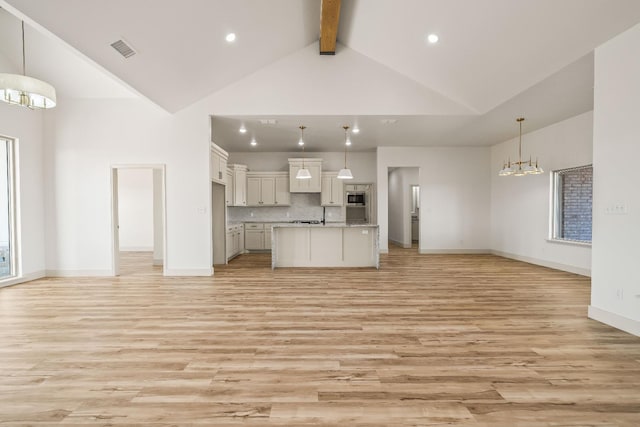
457 340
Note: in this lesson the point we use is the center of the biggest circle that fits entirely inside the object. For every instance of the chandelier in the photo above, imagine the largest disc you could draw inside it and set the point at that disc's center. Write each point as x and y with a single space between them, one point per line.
19 89
520 168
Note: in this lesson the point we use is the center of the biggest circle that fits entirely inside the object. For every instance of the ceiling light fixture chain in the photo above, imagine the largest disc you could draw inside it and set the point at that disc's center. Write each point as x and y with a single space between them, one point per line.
509 168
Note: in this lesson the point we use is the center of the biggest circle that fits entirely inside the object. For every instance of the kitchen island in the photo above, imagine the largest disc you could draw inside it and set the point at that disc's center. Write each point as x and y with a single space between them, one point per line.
329 245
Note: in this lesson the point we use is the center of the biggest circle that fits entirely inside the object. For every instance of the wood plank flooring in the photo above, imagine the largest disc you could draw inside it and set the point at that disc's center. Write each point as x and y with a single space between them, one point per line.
428 340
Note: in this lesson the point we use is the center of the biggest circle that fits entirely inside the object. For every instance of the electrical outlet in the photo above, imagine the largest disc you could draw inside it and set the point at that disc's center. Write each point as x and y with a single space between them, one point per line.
251 213
620 294
287 214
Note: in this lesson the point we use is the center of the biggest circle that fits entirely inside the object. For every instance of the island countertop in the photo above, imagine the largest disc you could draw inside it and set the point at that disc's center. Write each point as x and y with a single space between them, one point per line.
328 245
327 225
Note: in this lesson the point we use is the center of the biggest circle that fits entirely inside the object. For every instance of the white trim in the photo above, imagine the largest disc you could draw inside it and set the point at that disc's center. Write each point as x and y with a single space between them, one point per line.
383 251
26 278
79 273
158 262
453 251
569 242
401 244
615 320
136 249
189 272
550 264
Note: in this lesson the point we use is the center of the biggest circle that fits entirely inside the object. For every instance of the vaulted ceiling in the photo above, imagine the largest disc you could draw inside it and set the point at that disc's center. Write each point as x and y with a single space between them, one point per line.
491 53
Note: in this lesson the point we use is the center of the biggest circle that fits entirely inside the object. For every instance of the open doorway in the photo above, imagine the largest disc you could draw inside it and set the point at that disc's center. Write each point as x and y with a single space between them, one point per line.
404 207
138 219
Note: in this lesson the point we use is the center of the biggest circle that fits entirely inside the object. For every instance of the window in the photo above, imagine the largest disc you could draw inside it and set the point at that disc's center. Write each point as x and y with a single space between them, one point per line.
572 204
7 209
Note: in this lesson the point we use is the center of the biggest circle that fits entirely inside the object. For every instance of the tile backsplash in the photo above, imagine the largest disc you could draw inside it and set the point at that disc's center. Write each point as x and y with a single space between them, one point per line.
304 206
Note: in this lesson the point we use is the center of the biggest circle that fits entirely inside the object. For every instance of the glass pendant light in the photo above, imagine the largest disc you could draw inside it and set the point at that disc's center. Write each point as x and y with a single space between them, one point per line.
345 173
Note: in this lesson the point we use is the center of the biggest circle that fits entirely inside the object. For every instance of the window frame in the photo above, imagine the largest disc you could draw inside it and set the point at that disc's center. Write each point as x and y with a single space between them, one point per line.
12 195
556 207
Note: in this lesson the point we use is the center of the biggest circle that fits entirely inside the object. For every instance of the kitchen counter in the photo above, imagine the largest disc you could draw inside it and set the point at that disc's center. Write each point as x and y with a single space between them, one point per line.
329 245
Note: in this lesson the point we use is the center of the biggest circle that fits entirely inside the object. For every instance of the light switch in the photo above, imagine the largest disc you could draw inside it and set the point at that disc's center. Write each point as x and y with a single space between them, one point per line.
365 231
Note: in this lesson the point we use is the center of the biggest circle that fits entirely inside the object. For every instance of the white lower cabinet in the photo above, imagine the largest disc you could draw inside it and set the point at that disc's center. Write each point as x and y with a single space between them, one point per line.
235 240
257 236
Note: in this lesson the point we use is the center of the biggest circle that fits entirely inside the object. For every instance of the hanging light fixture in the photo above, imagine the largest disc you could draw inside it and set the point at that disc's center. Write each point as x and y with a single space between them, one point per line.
19 89
345 173
520 168
303 173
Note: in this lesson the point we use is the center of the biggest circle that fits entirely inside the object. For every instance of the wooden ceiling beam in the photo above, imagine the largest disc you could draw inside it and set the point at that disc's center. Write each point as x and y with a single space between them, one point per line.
329 19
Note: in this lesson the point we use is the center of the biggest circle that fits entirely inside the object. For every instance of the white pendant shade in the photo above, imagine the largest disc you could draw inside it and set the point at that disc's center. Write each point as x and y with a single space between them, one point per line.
26 91
345 174
303 173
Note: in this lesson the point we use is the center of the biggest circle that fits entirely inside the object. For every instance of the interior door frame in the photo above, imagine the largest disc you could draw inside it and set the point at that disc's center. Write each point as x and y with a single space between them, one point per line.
115 235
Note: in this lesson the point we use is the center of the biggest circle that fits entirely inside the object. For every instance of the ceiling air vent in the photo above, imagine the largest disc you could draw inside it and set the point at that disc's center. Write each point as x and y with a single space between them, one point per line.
123 48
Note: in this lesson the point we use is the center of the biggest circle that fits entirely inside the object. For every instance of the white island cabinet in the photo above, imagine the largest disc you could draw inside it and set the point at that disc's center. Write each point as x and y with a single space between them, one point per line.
330 245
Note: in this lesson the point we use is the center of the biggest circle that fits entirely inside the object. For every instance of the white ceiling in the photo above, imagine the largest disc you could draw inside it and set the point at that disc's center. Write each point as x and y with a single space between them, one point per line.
499 58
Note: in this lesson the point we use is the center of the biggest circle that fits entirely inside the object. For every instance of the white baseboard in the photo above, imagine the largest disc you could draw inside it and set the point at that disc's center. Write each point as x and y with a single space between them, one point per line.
136 249
550 264
453 251
23 279
401 244
619 322
79 273
189 272
158 262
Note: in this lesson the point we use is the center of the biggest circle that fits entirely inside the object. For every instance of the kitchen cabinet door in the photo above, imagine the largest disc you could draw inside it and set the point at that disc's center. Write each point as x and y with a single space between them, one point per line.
253 192
283 196
228 189
254 239
332 190
240 188
268 230
267 191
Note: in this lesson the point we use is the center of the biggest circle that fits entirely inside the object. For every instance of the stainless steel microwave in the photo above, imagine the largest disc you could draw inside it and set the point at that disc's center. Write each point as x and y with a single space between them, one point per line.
356 199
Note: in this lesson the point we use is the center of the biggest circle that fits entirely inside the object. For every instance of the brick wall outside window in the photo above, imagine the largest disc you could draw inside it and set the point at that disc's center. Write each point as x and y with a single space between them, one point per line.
576 201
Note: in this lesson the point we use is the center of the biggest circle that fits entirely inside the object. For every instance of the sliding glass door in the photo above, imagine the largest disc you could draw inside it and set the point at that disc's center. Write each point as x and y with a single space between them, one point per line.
7 217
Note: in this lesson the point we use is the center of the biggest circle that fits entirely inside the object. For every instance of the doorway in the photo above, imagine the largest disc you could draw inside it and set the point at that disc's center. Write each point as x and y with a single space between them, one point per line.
138 212
404 207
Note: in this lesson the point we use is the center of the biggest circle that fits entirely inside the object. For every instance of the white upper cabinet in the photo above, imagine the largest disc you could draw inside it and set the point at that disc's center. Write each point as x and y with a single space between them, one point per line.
238 186
268 189
218 164
332 190
313 185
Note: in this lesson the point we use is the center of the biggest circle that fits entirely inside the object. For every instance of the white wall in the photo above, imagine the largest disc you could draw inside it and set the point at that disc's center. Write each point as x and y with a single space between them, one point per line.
27 126
454 196
135 209
84 139
615 289
520 205
399 191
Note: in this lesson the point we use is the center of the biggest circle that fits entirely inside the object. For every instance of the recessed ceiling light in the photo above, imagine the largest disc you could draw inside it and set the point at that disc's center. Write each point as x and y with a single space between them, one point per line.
242 129
355 130
231 37
253 142
433 38
268 121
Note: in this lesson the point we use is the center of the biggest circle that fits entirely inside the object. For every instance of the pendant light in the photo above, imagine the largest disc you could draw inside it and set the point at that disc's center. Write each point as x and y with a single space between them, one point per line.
303 173
19 89
345 173
520 168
